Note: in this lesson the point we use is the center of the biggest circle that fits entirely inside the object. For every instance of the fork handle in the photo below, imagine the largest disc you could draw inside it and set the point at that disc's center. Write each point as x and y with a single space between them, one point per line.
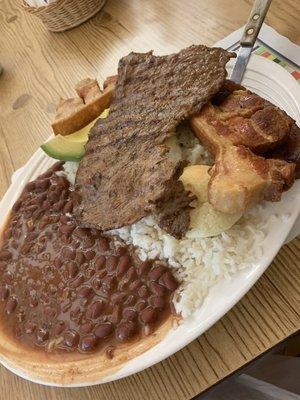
254 23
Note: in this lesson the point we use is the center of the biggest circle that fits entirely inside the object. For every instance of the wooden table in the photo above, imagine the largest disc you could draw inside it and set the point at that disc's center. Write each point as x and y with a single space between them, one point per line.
38 68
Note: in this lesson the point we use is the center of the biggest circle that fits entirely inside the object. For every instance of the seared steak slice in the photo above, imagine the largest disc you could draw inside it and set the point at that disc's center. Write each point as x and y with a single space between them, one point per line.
126 172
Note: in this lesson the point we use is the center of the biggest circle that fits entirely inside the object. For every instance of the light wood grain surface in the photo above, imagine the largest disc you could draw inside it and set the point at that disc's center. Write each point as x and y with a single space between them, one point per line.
38 67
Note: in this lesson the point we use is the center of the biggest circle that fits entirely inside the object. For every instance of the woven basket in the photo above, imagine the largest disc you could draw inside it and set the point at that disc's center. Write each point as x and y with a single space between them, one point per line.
65 14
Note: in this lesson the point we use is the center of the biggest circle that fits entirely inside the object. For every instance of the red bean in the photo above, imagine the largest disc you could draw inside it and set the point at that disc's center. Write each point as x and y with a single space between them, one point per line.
54 197
118 297
26 248
130 314
80 258
88 242
157 289
100 262
125 330
143 291
59 205
58 262
52 288
116 314
8 277
81 232
46 205
58 328
75 244
169 281
68 253
33 301
7 234
46 174
16 233
131 274
103 244
16 207
64 219
148 315
135 285
30 186
72 269
37 214
87 327
64 195
68 208
111 263
85 291
32 236
32 208
42 184
88 343
123 265
15 244
4 293
5 255
123 283
11 306
157 302
103 330
50 312
77 281
108 283
67 229
90 255
89 273
143 268
95 309
71 338
156 273
96 283
140 305
131 299
75 312
62 182
57 166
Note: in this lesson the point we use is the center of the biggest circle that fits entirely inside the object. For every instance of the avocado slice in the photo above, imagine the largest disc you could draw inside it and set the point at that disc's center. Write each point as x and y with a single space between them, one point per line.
64 149
70 147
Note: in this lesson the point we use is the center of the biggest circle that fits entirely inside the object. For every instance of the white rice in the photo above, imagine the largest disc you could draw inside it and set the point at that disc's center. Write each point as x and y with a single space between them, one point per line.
199 263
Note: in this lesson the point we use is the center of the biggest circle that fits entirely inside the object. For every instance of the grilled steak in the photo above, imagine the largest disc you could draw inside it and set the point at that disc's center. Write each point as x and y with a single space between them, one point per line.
126 172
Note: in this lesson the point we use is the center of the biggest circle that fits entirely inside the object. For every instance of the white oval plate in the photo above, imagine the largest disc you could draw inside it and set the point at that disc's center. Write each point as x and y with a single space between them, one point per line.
274 83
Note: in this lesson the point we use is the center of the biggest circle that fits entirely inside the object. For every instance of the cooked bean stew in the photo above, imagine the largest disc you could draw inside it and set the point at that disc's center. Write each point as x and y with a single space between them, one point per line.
66 288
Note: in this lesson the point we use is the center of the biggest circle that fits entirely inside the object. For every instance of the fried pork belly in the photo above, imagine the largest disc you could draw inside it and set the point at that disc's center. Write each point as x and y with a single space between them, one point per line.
243 118
236 127
290 150
240 179
126 172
